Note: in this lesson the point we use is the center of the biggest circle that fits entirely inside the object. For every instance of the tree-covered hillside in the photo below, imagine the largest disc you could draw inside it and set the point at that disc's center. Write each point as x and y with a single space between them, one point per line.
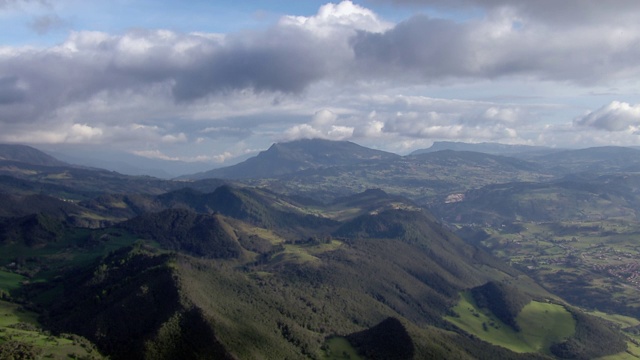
338 264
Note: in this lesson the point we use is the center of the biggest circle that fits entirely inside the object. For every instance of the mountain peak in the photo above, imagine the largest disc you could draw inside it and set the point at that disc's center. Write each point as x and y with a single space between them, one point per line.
289 157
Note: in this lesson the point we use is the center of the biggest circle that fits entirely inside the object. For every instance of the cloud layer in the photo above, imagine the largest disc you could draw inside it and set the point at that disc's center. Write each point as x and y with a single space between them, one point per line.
343 73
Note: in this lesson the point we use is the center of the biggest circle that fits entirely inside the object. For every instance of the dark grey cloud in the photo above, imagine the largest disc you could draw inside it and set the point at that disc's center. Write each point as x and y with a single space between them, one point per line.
432 47
552 11
281 60
285 60
427 49
51 80
10 91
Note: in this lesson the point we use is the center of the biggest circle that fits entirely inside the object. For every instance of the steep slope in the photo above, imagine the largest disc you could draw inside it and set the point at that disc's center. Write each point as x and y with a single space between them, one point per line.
342 288
285 158
593 338
502 300
28 155
183 230
130 304
387 340
262 208
448 264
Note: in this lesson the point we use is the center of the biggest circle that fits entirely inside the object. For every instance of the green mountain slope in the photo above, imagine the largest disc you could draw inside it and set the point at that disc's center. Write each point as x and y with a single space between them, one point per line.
286 298
130 305
245 283
182 230
275 300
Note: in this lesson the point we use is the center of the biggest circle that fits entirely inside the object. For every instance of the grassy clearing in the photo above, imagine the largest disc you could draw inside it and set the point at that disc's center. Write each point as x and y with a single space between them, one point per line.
294 254
303 253
341 214
321 248
118 204
250 230
542 324
19 325
97 217
12 314
59 176
337 348
10 281
486 326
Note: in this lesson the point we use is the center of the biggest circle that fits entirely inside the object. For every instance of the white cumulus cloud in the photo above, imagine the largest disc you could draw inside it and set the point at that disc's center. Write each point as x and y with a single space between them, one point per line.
332 18
615 116
324 124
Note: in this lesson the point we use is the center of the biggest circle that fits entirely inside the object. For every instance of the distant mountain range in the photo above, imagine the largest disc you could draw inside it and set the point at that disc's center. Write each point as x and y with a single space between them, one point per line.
126 164
290 157
317 154
323 170
487 148
131 164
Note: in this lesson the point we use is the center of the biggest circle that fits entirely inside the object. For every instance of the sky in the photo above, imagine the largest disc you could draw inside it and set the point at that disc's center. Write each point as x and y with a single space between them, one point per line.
212 82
